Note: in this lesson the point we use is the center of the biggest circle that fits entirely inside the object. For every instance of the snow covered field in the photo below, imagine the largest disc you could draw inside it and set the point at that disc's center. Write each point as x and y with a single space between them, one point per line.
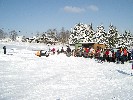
24 76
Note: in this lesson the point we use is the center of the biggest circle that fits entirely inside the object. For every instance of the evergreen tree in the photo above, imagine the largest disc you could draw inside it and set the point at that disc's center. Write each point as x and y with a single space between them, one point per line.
81 33
112 36
100 36
85 33
127 39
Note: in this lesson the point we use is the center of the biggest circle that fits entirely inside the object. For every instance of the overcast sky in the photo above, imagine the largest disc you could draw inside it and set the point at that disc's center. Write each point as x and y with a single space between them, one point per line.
31 16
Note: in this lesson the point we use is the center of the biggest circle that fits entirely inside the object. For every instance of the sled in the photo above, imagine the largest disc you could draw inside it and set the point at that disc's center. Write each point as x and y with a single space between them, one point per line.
42 53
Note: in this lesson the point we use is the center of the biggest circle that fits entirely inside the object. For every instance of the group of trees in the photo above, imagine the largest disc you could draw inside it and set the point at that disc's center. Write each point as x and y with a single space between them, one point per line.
12 34
86 34
61 36
2 34
81 33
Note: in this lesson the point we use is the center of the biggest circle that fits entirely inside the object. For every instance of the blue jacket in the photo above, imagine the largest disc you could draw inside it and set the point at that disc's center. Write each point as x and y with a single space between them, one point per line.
118 53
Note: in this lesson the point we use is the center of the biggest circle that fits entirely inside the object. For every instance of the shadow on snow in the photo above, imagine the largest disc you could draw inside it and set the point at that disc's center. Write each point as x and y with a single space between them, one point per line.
125 73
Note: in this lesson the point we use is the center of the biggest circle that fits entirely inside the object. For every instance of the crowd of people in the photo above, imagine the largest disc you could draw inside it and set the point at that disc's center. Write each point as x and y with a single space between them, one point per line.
119 55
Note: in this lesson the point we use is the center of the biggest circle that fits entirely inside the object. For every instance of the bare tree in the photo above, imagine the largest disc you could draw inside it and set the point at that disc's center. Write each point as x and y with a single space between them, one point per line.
2 34
51 33
13 35
63 35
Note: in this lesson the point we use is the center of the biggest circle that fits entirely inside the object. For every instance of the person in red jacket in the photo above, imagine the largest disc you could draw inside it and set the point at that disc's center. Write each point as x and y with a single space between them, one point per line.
107 55
86 51
125 54
53 50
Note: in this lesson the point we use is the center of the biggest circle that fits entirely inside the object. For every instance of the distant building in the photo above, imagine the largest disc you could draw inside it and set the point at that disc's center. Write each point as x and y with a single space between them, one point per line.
89 45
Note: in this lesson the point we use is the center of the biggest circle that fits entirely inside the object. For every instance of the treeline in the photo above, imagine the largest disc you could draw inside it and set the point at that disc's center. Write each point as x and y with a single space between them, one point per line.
60 36
80 33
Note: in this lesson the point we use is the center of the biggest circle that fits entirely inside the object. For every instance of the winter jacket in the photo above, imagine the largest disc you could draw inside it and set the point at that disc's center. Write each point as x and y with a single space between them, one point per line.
107 52
101 54
125 52
122 53
117 53
132 52
86 50
110 54
68 49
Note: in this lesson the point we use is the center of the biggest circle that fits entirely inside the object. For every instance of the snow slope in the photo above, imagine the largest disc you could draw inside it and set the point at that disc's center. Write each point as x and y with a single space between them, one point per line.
24 76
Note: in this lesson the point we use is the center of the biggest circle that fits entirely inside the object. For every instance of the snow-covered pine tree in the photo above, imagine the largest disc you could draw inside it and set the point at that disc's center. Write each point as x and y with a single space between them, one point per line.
112 36
73 38
91 33
100 36
81 33
84 33
120 42
127 39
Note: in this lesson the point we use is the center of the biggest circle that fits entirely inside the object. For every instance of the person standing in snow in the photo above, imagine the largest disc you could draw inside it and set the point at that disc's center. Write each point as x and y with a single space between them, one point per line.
125 54
113 56
122 57
92 52
53 51
107 55
4 48
86 51
98 53
132 54
62 50
129 55
117 54
58 51
110 56
68 51
101 56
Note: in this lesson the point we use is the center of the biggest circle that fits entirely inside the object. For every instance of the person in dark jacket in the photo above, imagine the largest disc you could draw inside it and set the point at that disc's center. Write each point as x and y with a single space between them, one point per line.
4 48
117 54
68 51
122 57
62 50
129 55
132 54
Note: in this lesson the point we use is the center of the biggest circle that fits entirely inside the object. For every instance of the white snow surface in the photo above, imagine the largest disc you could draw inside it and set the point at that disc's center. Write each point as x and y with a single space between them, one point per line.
25 76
